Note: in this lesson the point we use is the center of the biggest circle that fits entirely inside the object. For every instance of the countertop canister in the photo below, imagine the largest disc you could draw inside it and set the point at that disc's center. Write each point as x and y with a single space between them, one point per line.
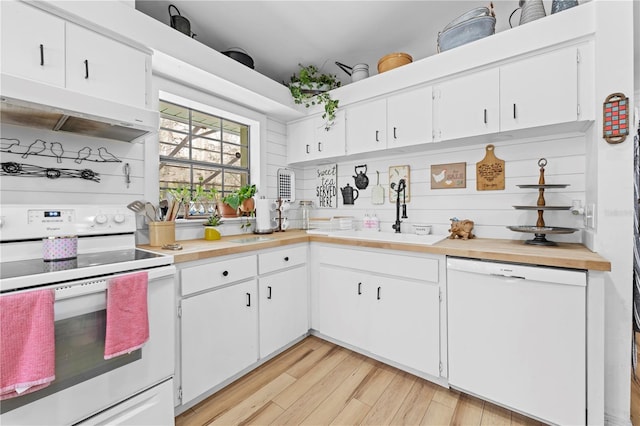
59 248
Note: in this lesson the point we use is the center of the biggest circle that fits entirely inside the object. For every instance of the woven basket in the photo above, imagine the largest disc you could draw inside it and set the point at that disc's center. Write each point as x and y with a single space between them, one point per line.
393 60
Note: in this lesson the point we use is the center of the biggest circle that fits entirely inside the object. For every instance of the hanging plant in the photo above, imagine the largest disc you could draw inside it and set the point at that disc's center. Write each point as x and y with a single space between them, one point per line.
310 87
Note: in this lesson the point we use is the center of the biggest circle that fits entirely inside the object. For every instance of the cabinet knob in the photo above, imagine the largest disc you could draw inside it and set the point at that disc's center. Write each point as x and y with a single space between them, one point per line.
225 273
286 259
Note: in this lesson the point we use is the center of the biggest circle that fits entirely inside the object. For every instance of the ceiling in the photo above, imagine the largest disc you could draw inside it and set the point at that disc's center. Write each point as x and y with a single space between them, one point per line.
278 35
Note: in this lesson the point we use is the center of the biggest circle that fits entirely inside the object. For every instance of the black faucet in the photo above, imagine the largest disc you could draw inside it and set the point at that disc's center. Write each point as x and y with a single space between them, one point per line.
402 187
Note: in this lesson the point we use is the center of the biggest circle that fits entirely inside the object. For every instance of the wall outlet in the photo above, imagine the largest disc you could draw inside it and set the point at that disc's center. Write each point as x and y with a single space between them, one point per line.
590 216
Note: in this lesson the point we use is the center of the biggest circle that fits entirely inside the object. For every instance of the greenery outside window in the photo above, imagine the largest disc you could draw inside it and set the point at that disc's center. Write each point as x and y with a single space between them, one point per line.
198 148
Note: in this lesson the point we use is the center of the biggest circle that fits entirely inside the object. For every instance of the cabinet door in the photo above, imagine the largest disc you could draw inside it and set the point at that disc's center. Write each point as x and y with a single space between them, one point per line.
32 43
468 106
343 307
366 127
284 314
329 142
219 336
539 91
405 323
409 118
105 68
300 139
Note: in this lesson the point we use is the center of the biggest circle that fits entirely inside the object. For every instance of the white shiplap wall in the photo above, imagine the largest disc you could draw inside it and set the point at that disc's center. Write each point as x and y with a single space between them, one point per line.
491 211
38 190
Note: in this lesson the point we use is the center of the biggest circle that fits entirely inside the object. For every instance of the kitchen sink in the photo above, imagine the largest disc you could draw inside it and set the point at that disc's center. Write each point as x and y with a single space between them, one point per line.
247 240
390 237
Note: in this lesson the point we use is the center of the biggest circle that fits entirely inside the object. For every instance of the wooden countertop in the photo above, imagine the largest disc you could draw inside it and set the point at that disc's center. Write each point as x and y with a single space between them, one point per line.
566 255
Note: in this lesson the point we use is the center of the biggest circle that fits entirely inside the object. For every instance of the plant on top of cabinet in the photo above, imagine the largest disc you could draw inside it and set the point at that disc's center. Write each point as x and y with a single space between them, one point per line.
310 87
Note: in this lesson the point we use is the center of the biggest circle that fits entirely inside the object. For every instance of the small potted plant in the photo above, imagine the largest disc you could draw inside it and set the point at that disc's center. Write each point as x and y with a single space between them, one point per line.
247 203
310 87
210 231
228 206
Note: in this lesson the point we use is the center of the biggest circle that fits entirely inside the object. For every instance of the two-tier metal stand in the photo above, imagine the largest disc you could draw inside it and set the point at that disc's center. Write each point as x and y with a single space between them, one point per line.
540 230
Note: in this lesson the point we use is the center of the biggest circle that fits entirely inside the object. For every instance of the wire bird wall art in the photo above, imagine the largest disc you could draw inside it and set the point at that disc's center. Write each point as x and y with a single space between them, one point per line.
11 168
55 149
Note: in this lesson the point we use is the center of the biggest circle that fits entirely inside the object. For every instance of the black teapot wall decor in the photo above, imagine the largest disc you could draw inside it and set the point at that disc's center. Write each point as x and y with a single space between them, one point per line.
349 194
361 179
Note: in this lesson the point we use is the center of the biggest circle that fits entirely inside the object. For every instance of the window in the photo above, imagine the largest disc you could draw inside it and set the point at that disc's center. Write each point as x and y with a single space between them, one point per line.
200 148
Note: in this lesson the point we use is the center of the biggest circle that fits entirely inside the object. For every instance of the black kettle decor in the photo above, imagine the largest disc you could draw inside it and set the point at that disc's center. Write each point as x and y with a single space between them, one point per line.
362 181
180 23
349 194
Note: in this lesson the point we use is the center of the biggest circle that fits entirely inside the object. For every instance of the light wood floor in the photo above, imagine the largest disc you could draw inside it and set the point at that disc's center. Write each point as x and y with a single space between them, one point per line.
317 382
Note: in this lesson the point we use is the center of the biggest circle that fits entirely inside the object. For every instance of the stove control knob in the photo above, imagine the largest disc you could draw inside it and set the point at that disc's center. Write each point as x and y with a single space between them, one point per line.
119 218
101 219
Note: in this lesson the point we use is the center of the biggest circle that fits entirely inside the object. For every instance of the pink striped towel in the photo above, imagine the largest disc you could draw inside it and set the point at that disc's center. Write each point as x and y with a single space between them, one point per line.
127 317
27 342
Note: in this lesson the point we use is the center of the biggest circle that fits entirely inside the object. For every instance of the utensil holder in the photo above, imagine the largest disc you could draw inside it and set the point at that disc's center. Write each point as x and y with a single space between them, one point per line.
162 233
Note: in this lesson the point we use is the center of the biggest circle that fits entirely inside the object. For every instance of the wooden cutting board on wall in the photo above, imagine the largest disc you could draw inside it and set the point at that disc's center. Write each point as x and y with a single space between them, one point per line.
490 171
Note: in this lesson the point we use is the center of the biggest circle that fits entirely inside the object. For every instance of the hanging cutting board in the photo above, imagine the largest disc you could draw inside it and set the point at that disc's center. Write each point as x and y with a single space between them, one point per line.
490 171
377 192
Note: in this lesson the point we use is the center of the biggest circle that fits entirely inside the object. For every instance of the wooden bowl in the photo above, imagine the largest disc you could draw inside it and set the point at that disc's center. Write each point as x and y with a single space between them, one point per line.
393 60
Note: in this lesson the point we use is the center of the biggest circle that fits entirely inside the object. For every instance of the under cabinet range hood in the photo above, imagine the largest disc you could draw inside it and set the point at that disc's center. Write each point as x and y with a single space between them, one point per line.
32 104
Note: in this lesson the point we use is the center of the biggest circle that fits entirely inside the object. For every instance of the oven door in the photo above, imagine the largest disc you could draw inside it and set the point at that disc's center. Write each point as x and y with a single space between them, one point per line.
85 383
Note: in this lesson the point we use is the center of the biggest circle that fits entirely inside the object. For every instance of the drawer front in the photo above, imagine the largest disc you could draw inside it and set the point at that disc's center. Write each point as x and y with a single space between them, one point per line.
398 265
282 258
216 274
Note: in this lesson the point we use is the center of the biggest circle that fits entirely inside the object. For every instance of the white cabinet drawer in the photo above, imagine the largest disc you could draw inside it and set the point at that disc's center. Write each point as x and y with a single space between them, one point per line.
216 274
398 265
283 258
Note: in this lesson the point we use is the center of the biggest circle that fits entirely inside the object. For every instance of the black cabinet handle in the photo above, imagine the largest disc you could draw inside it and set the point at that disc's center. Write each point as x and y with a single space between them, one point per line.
319 146
41 55
378 293
514 111
307 148
86 68
485 116
248 299
359 288
269 292
225 273
286 259
394 133
377 140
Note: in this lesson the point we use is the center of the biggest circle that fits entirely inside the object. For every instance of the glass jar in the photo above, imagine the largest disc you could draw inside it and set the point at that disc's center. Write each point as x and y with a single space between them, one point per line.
305 213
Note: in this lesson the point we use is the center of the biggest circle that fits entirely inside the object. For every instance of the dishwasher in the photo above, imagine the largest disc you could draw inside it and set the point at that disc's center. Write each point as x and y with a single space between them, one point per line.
517 337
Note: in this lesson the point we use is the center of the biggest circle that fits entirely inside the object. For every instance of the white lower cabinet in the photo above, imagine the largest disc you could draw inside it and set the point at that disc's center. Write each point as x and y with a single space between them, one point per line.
283 309
379 311
405 323
219 336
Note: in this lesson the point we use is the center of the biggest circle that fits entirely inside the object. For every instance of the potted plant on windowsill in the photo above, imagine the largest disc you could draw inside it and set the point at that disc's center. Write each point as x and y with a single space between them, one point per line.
247 203
228 206
309 87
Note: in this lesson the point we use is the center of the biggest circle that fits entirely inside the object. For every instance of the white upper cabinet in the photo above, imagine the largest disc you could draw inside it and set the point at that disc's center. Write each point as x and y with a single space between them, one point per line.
329 142
467 106
43 47
309 139
540 90
367 127
105 68
299 140
409 118
33 44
